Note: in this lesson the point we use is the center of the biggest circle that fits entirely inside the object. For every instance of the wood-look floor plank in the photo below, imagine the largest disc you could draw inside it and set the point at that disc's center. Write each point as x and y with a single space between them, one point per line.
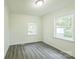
38 50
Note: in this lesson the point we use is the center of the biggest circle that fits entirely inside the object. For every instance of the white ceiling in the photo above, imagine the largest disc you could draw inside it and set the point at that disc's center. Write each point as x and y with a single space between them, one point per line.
27 6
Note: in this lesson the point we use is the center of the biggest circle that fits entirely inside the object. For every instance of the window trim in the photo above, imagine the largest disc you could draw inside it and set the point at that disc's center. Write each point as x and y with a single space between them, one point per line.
30 30
73 28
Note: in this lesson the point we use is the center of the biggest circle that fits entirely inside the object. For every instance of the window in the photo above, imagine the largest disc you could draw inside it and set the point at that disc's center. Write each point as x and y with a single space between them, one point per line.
64 27
32 29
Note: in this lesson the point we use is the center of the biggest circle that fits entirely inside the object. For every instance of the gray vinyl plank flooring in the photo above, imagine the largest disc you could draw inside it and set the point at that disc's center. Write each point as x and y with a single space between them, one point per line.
37 50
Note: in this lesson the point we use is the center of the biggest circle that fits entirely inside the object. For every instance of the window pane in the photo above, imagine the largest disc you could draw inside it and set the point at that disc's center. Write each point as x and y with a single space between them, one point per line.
32 29
64 26
60 30
68 32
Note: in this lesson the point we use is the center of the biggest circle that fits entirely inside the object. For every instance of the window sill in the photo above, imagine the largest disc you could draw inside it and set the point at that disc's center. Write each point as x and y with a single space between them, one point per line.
65 39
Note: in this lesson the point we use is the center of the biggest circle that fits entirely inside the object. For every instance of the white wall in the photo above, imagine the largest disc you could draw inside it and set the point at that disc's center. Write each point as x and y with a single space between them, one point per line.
18 27
6 29
48 27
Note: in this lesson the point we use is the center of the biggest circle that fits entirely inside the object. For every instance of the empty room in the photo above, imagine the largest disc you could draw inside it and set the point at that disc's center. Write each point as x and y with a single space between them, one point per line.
39 29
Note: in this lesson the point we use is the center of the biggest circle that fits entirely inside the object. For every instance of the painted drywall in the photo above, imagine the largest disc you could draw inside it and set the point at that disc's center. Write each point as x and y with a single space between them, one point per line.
48 32
6 29
19 29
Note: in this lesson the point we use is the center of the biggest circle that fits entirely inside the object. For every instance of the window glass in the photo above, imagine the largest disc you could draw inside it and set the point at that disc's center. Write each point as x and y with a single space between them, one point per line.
32 29
64 27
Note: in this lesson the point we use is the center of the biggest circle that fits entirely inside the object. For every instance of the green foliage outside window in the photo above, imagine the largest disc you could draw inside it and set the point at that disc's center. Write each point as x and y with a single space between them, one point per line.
66 23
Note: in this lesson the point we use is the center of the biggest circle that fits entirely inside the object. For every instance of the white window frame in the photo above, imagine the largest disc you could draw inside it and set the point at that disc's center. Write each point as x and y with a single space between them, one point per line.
73 28
33 30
